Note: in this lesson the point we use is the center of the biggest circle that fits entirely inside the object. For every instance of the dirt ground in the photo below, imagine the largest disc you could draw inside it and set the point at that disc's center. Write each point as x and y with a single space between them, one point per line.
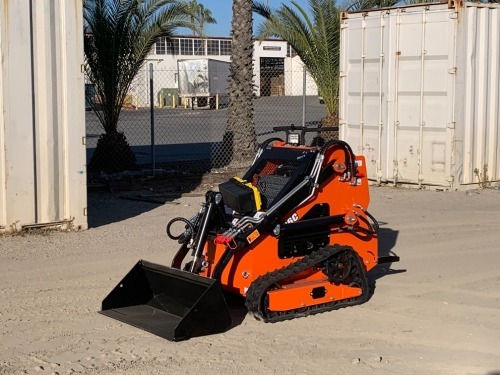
437 311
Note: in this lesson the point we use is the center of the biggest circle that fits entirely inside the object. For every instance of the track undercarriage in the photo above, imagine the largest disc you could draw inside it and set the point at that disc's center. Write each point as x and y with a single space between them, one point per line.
346 275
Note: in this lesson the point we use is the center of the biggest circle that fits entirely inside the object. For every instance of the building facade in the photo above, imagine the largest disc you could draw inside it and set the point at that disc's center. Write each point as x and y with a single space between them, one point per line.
278 71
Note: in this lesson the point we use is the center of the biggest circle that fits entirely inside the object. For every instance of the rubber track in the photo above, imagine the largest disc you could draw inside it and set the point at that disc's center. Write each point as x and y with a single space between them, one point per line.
257 292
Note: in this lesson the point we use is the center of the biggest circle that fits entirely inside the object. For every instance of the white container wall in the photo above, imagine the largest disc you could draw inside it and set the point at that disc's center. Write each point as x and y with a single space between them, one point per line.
42 118
420 93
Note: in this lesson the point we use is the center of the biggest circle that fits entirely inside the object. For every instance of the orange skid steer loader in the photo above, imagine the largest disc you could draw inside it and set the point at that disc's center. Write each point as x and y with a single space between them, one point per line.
293 236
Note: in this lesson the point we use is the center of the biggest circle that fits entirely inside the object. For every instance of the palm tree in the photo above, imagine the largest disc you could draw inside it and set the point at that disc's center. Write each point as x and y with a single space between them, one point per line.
119 35
315 40
199 16
240 137
369 4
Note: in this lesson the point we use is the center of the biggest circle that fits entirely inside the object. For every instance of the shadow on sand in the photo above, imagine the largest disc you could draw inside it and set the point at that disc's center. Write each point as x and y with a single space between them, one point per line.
387 241
115 202
180 169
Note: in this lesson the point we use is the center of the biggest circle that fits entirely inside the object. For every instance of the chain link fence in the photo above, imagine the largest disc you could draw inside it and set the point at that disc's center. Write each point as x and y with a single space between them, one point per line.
169 130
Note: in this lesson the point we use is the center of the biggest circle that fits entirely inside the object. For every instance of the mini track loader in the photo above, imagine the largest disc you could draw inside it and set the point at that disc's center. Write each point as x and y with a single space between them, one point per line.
293 236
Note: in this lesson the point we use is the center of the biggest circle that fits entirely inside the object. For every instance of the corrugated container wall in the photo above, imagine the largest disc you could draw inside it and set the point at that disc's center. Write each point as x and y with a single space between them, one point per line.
420 93
42 118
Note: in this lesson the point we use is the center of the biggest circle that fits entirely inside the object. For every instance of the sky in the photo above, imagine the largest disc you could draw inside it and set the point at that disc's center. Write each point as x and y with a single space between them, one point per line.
222 12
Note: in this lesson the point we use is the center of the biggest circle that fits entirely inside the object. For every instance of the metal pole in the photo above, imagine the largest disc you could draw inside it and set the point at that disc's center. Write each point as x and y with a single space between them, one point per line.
304 98
152 106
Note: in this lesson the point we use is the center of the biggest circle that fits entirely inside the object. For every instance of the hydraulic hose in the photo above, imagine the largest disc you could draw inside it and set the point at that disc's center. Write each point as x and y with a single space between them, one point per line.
375 225
350 160
188 223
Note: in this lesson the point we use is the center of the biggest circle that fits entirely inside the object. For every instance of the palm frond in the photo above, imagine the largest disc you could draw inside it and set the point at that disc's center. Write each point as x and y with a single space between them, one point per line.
119 36
314 35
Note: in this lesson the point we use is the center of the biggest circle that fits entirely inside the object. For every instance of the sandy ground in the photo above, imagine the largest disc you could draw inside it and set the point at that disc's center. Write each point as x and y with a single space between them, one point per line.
435 312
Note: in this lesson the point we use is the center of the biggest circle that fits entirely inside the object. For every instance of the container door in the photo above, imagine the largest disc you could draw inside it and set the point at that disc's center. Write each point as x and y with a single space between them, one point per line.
363 88
397 92
424 77
478 60
42 124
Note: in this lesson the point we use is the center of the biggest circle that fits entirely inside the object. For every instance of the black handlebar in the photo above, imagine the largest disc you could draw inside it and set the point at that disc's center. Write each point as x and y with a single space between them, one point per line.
305 129
292 129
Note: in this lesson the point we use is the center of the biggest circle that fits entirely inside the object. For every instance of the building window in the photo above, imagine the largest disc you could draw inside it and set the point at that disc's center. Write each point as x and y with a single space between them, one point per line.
172 46
272 64
160 46
199 47
212 47
186 47
225 47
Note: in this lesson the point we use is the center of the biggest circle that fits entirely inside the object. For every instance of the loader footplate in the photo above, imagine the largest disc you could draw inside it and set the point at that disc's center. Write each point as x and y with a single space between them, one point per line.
257 297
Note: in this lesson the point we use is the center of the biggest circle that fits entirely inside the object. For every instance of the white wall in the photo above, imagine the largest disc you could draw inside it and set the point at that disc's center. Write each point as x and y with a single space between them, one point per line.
294 80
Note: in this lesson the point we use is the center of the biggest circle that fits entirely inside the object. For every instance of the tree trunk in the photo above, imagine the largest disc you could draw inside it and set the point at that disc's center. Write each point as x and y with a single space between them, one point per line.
330 121
112 154
240 137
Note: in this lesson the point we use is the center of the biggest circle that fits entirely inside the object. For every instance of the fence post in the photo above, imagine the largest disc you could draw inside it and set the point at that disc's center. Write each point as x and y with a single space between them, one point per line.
304 97
152 105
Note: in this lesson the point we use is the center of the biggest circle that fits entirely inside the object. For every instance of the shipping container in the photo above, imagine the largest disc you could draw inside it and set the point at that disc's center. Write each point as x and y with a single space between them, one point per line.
419 93
42 115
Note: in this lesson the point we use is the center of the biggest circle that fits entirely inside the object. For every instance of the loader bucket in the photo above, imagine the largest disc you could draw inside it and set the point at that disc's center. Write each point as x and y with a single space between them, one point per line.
168 302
